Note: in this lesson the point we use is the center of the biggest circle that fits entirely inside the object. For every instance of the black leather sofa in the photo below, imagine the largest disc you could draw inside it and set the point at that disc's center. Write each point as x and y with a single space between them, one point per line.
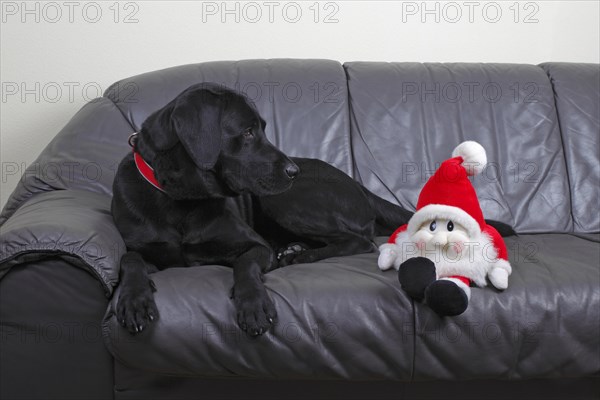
346 329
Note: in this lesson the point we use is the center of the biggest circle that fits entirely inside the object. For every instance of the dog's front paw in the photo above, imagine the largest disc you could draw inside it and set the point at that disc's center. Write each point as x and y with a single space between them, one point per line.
256 313
136 307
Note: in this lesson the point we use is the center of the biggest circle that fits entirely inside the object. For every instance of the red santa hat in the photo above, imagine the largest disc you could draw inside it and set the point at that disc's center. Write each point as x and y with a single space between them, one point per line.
449 194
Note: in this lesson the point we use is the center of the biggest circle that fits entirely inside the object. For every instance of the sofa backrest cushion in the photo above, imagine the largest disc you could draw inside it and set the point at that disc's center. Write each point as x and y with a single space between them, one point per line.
406 118
577 96
304 102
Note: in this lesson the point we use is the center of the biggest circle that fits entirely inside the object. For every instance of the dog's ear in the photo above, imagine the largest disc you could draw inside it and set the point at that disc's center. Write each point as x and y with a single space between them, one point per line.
158 129
196 119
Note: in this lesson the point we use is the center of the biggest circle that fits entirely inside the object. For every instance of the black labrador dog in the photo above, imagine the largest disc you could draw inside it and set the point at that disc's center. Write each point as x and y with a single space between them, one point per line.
205 186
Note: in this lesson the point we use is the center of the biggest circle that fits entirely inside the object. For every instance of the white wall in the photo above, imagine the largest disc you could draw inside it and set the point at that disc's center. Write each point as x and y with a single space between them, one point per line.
57 55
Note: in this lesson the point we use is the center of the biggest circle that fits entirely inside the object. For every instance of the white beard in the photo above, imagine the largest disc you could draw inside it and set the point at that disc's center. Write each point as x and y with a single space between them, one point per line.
475 261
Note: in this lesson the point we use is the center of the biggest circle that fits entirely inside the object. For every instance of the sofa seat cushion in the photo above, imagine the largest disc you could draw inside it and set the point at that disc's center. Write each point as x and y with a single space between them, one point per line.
340 318
546 324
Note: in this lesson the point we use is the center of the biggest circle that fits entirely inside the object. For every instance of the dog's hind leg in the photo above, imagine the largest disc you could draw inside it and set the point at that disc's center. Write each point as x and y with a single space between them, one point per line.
136 307
344 245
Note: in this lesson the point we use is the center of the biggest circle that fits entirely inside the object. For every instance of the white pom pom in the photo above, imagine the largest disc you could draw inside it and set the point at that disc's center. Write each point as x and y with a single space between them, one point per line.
473 155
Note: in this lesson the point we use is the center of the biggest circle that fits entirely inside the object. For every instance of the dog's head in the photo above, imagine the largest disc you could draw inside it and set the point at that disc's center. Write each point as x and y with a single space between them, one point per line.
210 142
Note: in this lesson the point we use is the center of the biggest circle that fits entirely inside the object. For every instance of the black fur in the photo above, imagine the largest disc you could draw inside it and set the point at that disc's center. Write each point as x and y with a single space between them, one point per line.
231 198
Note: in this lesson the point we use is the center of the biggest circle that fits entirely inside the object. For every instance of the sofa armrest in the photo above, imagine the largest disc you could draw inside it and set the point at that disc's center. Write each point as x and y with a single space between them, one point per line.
74 225
50 334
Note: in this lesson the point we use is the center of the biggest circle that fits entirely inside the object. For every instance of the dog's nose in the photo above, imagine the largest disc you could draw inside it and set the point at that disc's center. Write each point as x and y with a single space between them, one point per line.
292 171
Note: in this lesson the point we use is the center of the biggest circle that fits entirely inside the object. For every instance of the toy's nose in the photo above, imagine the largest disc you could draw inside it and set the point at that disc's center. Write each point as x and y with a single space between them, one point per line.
440 239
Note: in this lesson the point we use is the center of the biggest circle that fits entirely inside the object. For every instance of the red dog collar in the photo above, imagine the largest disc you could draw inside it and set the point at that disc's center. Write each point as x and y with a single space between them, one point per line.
146 170
143 167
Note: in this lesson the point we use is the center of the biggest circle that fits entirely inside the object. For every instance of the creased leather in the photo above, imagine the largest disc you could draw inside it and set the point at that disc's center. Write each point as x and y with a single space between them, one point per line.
338 319
407 117
303 101
546 324
73 224
577 96
84 155
344 319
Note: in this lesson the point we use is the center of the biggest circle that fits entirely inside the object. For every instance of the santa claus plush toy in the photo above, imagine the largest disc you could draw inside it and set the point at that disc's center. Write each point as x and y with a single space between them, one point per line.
446 246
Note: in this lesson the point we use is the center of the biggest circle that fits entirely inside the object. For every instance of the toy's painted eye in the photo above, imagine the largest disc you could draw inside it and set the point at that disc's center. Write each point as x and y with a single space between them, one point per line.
450 226
432 226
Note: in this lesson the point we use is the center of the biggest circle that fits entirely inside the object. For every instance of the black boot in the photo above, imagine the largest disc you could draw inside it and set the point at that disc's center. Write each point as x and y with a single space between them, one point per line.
446 298
415 274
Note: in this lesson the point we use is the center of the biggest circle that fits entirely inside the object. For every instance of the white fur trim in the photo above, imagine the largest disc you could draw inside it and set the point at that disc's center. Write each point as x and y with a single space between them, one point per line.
503 264
477 259
474 156
387 256
461 285
498 274
405 248
434 211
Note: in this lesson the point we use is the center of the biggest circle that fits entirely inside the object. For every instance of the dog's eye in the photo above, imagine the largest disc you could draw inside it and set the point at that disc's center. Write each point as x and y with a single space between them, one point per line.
248 133
432 226
450 226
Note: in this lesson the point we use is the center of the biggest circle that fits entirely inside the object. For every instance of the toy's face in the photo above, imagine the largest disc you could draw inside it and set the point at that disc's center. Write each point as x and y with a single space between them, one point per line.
442 235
